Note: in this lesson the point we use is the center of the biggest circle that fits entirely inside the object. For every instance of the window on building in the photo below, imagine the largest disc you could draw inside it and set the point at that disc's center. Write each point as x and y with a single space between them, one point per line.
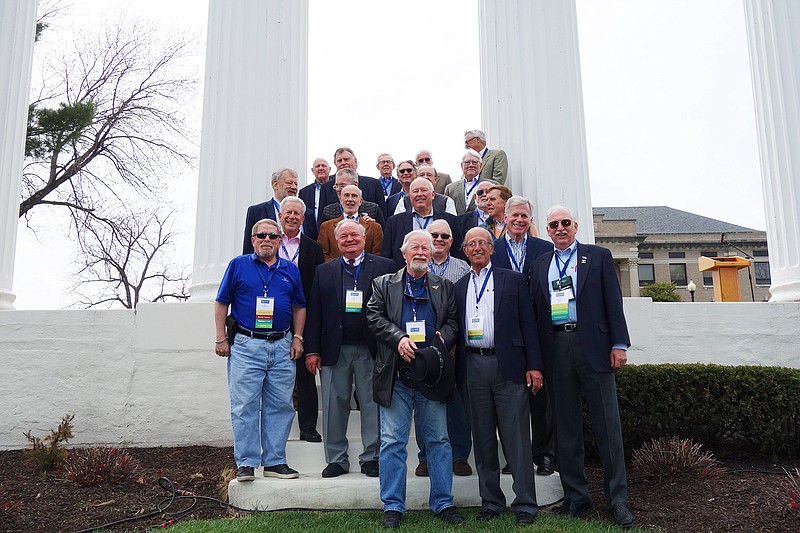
708 279
677 255
645 255
760 253
708 254
763 276
647 275
677 274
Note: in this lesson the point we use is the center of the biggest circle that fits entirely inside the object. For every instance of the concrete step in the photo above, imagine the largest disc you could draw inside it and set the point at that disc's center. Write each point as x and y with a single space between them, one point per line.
357 491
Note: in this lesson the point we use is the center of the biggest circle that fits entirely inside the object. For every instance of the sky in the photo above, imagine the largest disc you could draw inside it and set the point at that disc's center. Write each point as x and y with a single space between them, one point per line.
666 85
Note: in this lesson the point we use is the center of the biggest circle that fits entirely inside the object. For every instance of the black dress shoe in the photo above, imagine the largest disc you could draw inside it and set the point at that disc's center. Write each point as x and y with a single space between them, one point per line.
370 469
450 515
578 511
310 435
546 464
391 519
622 515
333 470
486 515
525 519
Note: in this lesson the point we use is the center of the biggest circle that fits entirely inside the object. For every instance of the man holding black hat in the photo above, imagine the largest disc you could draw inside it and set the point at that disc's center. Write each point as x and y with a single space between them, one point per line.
412 314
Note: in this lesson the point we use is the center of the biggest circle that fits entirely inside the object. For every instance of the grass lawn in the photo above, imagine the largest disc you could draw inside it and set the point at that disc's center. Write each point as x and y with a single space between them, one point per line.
361 521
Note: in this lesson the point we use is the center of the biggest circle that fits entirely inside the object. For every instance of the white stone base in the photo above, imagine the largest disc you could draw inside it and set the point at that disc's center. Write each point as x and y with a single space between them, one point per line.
354 490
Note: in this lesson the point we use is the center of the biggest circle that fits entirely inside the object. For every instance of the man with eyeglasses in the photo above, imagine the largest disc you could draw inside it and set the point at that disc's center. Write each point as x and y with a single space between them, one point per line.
463 191
450 268
584 340
346 177
422 213
351 203
495 162
410 312
310 194
284 183
370 187
306 254
499 363
516 251
389 183
266 299
424 157
340 346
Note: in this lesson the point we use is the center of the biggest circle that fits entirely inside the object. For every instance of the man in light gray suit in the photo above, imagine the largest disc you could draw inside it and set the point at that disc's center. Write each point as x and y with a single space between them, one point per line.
495 162
463 191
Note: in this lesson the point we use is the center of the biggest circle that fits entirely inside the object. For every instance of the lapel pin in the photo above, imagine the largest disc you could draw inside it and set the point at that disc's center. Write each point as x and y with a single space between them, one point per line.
435 287
583 259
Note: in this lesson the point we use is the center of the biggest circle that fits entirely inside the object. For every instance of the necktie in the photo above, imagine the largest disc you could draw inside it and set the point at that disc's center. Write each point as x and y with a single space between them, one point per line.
351 262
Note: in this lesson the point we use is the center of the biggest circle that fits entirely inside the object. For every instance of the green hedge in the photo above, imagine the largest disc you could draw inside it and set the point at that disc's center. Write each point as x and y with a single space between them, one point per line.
734 411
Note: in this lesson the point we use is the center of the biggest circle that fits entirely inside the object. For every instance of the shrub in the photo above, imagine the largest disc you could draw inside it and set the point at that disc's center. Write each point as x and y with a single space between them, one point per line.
660 292
673 457
47 453
92 466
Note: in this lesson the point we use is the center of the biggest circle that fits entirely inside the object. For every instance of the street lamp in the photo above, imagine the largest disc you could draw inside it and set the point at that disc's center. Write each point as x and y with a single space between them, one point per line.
691 287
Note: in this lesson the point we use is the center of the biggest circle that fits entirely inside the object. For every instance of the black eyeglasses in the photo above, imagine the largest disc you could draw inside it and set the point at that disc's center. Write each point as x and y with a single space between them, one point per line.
264 235
424 160
405 171
443 236
553 224
480 192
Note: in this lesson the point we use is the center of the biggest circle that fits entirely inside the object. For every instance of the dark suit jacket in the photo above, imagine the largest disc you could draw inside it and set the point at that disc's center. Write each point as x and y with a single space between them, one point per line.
384 317
398 225
332 211
535 248
515 338
308 259
330 248
371 191
601 321
323 330
395 187
267 210
307 195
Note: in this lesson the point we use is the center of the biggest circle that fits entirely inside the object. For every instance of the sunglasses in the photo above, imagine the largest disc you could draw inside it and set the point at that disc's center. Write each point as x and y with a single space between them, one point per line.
480 192
264 235
424 160
553 224
443 236
405 171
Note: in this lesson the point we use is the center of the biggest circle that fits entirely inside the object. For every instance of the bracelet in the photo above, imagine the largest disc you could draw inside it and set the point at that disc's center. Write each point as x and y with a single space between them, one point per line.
220 341
299 337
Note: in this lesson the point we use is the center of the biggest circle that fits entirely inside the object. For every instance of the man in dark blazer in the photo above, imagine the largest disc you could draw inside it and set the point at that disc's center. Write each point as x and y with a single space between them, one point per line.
422 214
370 187
499 365
284 183
310 194
343 178
584 340
516 250
340 346
306 253
389 184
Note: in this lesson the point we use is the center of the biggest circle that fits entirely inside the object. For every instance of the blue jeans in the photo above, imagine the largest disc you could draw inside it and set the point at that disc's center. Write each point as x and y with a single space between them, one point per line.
458 428
395 429
261 380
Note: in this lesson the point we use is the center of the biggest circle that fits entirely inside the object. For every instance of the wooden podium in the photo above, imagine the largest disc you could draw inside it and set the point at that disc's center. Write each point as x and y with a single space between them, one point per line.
725 271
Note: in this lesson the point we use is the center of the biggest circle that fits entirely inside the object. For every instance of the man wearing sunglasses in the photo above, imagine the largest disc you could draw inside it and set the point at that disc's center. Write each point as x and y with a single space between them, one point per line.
424 157
495 162
266 300
584 340
463 191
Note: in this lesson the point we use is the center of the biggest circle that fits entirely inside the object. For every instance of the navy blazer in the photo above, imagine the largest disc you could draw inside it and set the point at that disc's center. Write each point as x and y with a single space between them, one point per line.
535 248
309 257
371 191
397 226
267 210
601 320
515 339
307 195
323 331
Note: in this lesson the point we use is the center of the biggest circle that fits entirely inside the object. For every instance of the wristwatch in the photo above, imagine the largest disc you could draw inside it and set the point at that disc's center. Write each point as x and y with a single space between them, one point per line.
300 337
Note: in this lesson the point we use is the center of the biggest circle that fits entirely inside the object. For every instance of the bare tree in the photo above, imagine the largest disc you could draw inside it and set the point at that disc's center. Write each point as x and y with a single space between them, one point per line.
125 258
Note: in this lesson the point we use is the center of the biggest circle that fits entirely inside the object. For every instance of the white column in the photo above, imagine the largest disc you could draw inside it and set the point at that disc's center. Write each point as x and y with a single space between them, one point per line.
532 103
17 33
773 31
254 121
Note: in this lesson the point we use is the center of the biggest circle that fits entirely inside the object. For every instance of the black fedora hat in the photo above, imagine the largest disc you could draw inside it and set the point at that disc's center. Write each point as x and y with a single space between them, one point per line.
433 372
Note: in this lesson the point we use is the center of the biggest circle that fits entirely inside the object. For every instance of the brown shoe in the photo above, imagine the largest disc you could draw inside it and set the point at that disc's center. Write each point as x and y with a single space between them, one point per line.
462 468
422 469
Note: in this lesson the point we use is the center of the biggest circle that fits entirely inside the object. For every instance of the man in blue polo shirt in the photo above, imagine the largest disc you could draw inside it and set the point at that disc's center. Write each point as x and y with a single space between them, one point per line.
266 299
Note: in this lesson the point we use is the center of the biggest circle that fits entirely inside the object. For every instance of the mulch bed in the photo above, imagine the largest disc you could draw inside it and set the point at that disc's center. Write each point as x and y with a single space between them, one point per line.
750 497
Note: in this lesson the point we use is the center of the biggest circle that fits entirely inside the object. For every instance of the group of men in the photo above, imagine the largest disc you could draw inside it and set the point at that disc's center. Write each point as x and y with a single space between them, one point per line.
445 309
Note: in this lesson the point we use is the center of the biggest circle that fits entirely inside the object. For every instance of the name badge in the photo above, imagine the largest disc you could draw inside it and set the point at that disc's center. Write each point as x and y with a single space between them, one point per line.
559 305
416 330
353 301
475 328
265 308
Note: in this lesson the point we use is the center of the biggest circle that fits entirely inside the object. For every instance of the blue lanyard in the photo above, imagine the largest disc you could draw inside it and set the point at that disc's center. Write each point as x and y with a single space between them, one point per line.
277 206
511 254
415 297
432 266
355 276
387 185
479 295
269 278
469 192
285 251
562 271
427 221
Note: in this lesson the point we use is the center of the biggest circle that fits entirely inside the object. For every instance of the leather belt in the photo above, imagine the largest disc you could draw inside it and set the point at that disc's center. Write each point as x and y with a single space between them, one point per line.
480 351
267 336
565 327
